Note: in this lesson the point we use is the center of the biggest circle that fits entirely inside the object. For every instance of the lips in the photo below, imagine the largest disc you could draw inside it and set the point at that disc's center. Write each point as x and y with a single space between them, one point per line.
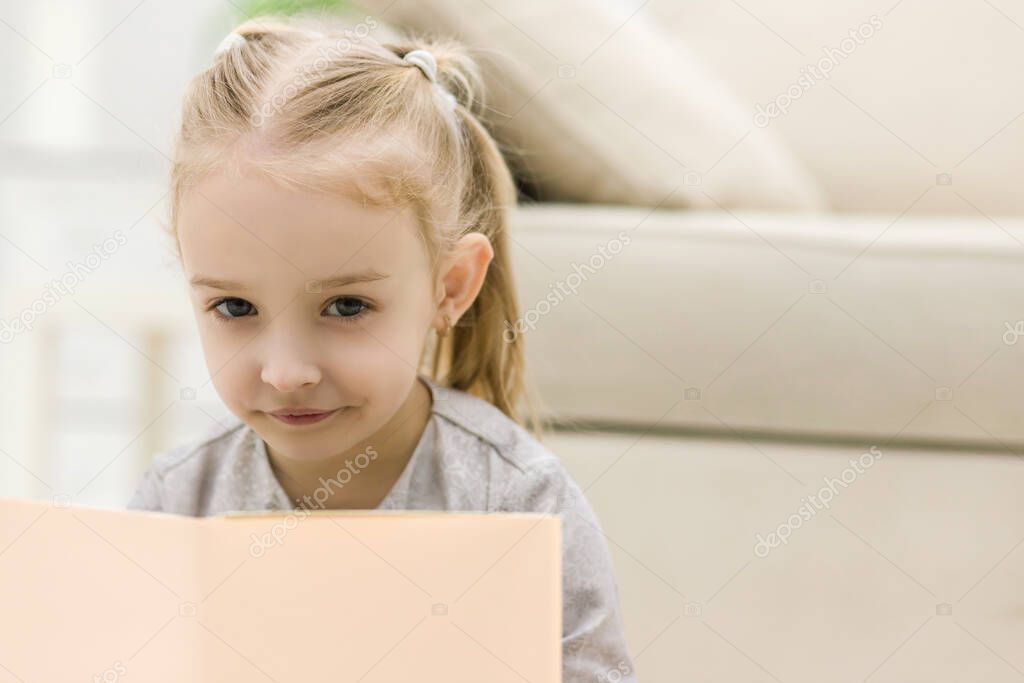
303 416
299 412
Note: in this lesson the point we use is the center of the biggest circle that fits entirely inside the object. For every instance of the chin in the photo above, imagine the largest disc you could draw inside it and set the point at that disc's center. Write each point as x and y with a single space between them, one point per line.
300 448
309 442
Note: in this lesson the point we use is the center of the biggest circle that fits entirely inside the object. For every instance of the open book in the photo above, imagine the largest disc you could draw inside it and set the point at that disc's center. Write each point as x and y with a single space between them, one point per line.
90 594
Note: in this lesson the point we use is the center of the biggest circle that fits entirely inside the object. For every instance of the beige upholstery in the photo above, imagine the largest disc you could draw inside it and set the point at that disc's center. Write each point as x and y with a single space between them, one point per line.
913 574
816 329
932 91
819 325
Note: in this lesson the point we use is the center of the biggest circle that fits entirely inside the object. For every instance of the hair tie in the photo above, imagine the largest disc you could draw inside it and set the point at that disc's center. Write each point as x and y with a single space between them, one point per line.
424 60
230 40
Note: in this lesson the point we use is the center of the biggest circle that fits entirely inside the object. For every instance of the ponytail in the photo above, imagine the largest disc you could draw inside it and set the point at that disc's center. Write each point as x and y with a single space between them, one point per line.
479 357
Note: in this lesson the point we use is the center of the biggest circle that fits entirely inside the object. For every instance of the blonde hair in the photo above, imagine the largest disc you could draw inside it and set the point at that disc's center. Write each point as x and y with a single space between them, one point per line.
318 106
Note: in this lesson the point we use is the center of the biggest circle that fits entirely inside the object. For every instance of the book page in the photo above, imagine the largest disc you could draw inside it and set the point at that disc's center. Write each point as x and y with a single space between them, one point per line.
93 594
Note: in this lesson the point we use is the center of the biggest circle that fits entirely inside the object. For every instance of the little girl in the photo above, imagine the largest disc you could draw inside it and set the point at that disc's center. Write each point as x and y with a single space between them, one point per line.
341 216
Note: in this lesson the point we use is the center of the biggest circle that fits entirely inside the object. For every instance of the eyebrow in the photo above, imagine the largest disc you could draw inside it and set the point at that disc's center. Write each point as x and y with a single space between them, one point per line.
326 283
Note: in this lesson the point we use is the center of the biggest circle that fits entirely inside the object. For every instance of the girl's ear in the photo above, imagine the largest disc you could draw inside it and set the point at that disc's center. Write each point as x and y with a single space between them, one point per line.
463 277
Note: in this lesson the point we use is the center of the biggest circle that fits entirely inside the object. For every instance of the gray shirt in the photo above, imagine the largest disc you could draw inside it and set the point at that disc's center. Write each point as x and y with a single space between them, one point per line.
471 456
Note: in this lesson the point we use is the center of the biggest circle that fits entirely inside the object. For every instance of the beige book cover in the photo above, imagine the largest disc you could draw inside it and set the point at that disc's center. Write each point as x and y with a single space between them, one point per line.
90 594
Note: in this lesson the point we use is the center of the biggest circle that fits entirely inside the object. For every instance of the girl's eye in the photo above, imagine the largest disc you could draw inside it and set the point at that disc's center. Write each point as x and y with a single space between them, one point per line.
348 307
233 308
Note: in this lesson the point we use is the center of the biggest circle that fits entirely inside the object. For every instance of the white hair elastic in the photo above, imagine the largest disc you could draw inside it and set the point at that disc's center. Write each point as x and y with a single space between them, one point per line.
426 62
230 40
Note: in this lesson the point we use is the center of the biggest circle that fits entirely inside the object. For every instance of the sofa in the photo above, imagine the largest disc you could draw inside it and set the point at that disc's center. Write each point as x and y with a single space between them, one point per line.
728 367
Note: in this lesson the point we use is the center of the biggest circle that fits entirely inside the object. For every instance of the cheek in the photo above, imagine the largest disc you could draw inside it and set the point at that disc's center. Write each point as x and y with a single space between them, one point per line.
218 345
227 362
381 384
398 334
228 369
373 360
379 363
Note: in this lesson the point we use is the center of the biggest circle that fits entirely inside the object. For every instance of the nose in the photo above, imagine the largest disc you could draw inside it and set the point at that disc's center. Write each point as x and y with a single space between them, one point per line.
288 367
287 378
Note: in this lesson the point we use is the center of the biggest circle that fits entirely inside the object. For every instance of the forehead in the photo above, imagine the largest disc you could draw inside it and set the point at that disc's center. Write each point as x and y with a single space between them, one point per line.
247 227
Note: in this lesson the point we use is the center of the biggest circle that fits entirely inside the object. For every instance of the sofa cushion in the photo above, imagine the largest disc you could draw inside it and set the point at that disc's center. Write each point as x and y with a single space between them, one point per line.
826 326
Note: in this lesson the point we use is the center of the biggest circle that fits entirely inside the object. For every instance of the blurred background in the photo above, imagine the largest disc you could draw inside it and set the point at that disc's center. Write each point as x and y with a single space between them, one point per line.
758 242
